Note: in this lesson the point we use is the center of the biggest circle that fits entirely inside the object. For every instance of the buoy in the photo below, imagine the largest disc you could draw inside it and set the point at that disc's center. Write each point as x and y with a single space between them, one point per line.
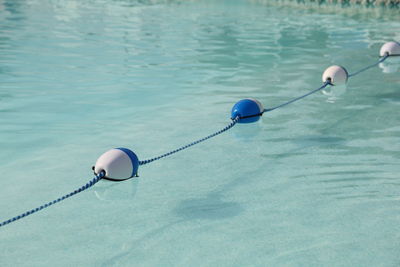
118 163
390 48
336 75
248 110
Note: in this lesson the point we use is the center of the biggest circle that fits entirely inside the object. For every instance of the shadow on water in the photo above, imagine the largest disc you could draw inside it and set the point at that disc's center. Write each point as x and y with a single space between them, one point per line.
208 208
212 207
114 261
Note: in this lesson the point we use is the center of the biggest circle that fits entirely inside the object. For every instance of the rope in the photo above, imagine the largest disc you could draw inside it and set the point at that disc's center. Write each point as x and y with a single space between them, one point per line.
86 186
234 121
370 66
326 84
298 98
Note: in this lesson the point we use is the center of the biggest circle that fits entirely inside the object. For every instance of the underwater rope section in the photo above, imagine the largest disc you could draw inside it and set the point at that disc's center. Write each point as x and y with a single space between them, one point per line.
82 188
120 164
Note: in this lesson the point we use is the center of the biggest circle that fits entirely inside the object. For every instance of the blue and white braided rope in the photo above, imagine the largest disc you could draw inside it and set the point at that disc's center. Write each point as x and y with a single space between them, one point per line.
86 186
234 121
325 84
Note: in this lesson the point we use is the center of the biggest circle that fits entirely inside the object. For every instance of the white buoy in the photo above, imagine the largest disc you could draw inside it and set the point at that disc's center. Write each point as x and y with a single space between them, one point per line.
390 48
118 164
337 75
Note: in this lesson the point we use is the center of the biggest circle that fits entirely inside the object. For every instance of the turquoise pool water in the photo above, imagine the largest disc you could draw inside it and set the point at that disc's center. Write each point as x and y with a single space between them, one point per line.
313 184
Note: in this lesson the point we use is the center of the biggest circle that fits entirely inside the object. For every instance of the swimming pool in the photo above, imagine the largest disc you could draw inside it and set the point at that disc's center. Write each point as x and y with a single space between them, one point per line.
315 183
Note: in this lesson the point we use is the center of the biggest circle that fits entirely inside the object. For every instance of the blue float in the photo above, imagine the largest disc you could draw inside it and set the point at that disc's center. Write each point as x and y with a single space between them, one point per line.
248 110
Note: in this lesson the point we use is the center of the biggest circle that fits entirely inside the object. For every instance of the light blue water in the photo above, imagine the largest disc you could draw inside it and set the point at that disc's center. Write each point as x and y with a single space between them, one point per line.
313 184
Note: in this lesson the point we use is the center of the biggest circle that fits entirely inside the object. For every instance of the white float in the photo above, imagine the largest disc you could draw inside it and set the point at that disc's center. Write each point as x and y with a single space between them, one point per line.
118 164
337 75
390 48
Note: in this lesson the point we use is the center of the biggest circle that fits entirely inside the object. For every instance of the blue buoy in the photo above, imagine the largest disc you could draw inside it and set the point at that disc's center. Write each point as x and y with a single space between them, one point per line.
248 110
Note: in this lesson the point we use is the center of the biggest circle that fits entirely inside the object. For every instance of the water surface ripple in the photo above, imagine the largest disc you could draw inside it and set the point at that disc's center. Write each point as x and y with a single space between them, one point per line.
313 184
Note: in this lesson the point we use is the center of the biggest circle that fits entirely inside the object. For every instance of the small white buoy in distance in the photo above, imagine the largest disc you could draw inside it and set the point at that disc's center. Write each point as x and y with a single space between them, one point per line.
392 64
336 75
390 48
118 164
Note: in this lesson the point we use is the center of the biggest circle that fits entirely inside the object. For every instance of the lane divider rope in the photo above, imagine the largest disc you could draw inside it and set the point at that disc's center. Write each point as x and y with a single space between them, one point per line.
244 111
370 66
298 98
234 121
86 186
